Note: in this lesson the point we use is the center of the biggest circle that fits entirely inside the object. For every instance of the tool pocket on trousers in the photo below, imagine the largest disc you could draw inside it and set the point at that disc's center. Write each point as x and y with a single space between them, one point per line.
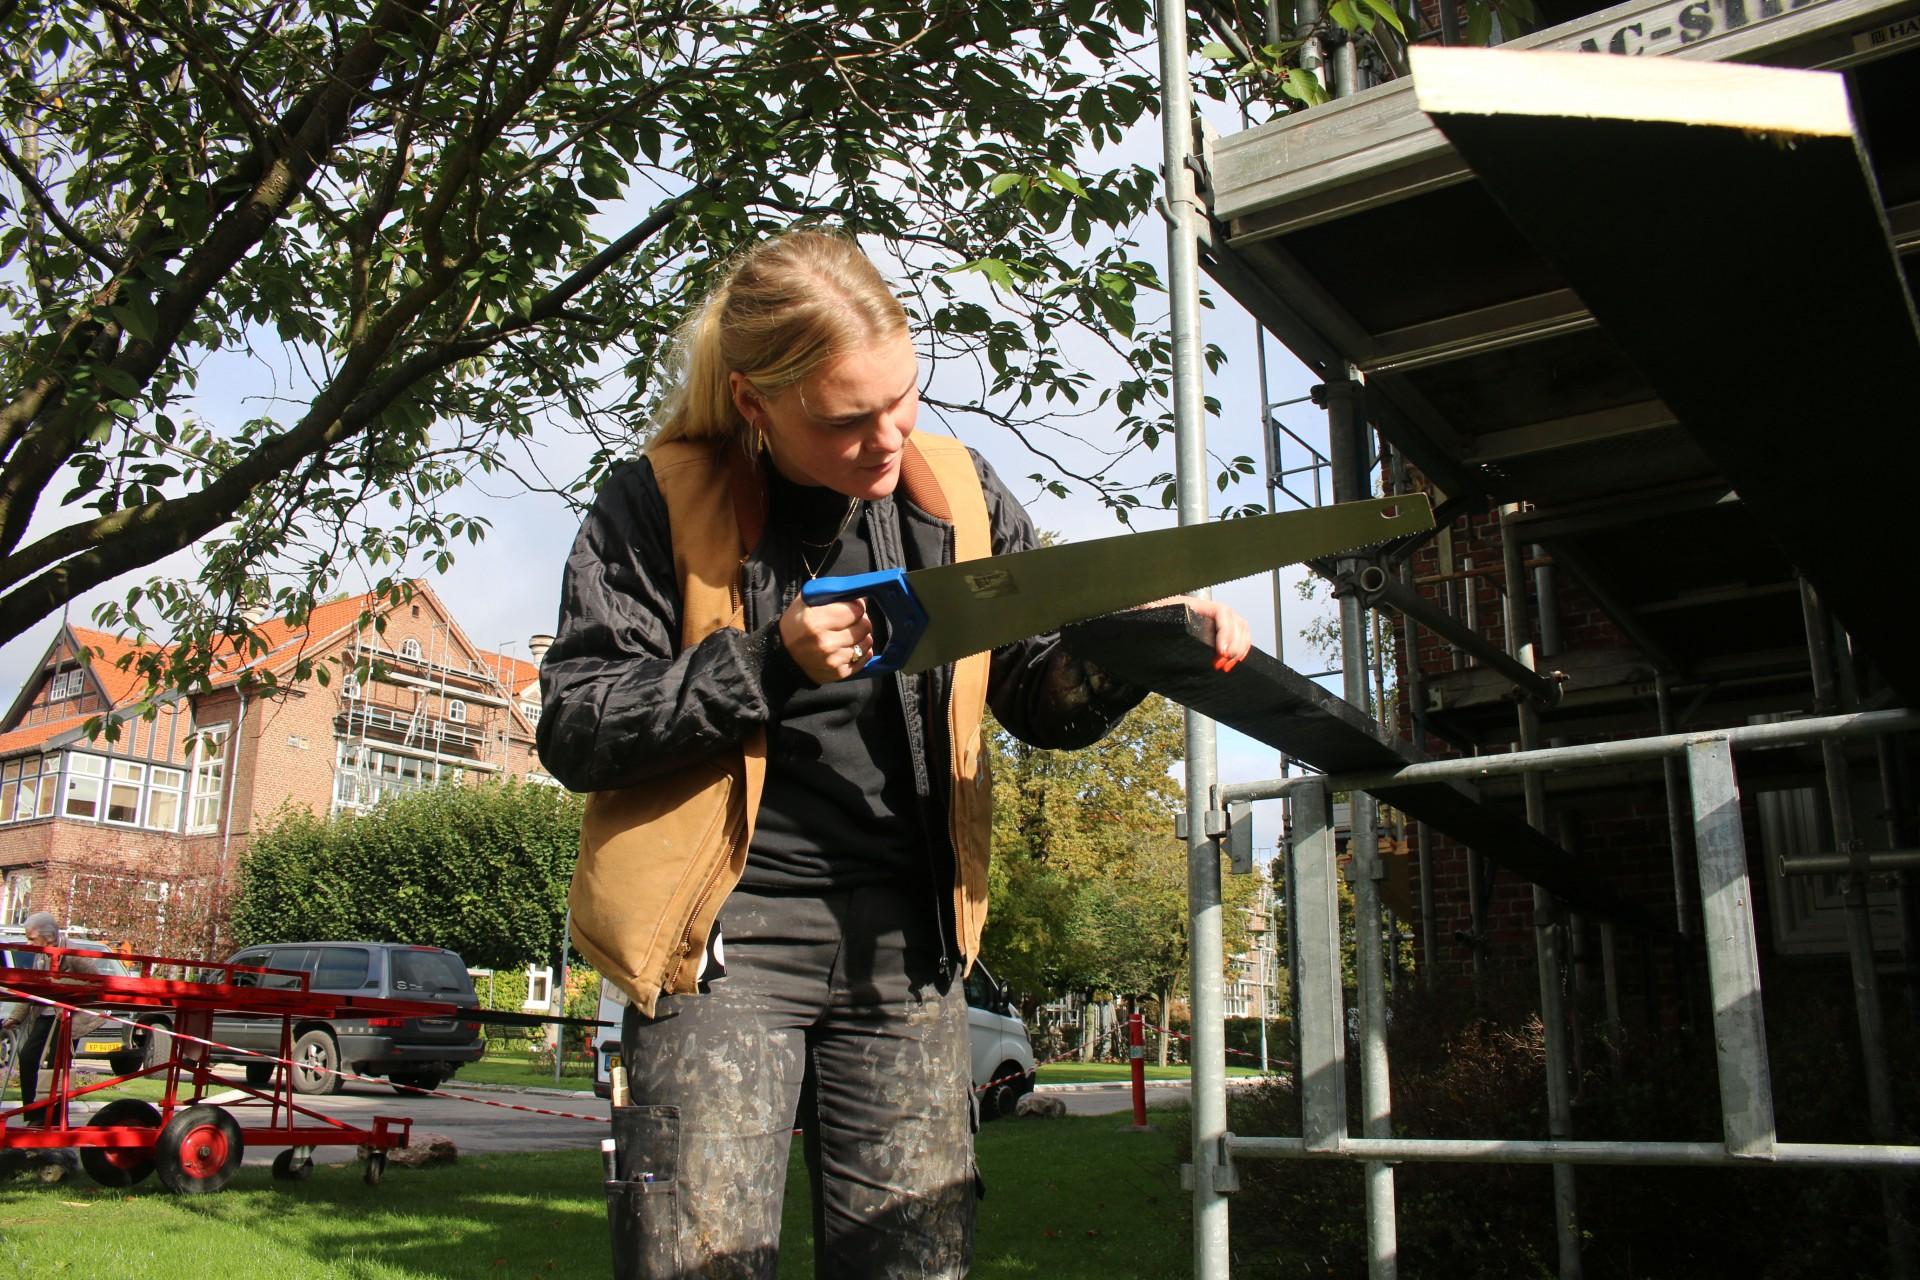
642 1200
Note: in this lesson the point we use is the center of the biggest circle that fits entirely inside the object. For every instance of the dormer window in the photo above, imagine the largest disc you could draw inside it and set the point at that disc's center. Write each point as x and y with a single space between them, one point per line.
66 684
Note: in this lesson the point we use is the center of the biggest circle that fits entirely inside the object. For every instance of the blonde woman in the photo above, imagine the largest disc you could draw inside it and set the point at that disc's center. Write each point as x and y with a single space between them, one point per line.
784 862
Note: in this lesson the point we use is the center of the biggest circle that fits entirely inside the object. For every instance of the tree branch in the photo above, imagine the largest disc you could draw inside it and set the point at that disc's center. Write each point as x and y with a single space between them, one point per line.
49 441
51 211
87 553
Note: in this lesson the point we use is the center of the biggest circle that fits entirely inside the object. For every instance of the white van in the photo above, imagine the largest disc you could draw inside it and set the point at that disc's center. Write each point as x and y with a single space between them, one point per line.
1003 1068
606 1042
1002 1057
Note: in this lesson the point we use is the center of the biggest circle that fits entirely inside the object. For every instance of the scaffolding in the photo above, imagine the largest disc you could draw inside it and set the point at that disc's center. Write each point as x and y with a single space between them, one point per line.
1333 178
423 741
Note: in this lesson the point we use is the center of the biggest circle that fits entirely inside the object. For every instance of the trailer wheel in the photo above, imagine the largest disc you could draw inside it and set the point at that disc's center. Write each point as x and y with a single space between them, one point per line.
287 1169
376 1168
124 1166
316 1063
198 1150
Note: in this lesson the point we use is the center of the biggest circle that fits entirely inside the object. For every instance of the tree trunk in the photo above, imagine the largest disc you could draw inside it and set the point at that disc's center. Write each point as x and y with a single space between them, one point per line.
1166 1023
1086 1028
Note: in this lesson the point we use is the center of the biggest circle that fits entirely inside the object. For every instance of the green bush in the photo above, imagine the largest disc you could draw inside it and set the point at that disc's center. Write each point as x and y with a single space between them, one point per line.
481 870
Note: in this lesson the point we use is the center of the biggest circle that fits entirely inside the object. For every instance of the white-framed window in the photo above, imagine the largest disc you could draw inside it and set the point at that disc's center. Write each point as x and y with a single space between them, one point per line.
49 787
531 710
410 648
66 684
28 787
209 770
16 896
539 987
364 775
349 686
10 787
165 788
125 779
456 711
85 774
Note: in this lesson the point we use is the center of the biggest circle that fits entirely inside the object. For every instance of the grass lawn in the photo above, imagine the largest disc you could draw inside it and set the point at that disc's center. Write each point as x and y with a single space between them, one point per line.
515 1066
1119 1072
1078 1197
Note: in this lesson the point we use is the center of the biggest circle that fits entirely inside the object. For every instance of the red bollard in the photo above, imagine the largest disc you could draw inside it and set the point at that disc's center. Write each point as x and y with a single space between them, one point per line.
1137 1051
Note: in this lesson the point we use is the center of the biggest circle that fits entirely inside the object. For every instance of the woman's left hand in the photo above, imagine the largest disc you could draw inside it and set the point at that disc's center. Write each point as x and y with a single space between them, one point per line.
1232 637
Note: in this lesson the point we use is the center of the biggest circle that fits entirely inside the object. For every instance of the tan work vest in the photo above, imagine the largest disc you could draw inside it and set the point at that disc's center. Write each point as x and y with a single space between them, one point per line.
658 859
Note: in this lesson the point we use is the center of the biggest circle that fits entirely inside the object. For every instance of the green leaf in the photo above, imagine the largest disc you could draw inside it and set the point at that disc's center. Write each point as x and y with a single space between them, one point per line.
993 269
1304 87
1115 310
1387 12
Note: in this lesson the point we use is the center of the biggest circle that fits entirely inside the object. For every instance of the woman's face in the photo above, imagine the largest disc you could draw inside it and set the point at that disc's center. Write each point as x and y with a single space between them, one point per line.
843 427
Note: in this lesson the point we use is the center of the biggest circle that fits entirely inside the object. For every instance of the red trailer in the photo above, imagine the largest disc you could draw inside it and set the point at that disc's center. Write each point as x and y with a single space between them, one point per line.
193 1144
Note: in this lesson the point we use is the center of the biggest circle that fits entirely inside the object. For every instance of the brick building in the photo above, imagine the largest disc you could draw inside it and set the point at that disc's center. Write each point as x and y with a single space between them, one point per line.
137 833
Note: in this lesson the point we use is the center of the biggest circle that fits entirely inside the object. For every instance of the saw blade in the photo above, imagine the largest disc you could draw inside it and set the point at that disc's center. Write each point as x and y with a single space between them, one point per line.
977 605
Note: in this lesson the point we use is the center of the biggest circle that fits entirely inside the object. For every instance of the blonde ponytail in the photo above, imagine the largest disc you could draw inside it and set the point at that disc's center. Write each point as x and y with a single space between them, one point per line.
781 310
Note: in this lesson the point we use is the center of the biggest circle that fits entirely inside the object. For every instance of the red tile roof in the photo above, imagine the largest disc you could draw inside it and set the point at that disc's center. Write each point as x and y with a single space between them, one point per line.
283 643
120 685
34 735
515 673
283 640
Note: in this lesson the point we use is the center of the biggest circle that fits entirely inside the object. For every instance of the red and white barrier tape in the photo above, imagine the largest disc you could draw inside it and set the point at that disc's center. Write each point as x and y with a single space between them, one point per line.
256 1055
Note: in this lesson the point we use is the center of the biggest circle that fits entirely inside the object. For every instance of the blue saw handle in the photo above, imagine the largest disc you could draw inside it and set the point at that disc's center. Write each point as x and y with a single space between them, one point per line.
887 591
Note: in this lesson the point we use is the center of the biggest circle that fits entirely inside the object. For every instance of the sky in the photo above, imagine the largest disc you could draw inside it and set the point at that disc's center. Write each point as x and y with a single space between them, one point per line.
507 589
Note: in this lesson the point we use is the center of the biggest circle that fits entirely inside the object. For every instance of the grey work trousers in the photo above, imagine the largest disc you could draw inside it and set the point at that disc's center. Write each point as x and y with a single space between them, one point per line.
832 1014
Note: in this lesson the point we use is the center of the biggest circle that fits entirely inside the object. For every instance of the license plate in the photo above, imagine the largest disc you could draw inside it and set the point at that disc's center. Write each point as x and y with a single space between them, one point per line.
101 1046
435 1024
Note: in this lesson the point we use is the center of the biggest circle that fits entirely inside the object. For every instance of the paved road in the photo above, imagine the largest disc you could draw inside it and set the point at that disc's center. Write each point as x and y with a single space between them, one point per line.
1108 1099
479 1127
503 1120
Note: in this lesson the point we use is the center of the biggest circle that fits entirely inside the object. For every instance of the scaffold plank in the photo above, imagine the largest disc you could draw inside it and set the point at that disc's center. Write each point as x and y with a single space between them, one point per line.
1723 225
1163 649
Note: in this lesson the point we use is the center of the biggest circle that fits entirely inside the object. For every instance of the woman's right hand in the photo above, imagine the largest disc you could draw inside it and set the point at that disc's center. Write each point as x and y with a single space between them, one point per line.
829 642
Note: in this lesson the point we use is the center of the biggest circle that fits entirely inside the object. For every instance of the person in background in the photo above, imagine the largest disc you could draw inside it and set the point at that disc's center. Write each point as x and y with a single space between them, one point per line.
42 930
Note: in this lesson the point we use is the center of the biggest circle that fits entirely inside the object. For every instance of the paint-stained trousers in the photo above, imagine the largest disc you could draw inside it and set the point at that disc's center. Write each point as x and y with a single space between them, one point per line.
842 995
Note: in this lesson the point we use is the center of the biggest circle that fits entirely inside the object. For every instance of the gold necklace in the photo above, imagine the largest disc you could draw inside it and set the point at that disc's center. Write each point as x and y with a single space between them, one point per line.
826 548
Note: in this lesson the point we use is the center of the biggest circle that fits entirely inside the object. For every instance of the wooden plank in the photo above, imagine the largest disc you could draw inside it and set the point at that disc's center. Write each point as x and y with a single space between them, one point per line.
1162 649
1377 142
1722 223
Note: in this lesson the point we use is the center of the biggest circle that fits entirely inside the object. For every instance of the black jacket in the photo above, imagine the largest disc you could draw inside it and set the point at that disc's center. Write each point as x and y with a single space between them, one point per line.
620 704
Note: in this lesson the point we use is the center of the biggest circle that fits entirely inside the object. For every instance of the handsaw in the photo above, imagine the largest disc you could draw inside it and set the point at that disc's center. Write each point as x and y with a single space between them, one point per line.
933 616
